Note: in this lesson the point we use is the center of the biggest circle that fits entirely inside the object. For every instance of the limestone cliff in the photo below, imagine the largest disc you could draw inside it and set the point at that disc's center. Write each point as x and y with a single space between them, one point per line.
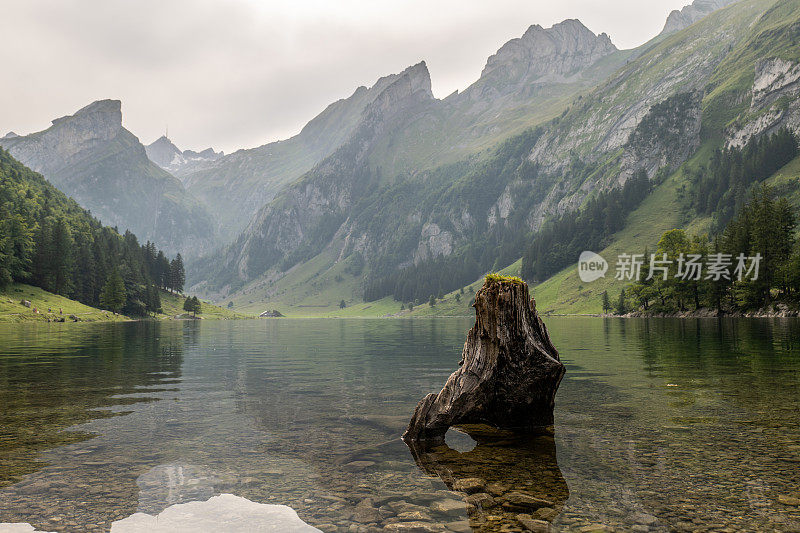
556 54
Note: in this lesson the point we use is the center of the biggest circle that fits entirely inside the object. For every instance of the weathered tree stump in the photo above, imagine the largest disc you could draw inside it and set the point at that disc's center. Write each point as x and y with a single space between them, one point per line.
509 371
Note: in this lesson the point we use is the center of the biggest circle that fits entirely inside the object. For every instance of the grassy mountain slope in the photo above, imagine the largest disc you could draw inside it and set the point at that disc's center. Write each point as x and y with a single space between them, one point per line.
564 293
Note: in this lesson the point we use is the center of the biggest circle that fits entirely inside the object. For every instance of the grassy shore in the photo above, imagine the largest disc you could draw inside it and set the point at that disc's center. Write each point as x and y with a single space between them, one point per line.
46 306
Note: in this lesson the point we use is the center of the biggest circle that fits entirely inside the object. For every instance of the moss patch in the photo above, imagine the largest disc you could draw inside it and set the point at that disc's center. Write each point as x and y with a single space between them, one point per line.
495 277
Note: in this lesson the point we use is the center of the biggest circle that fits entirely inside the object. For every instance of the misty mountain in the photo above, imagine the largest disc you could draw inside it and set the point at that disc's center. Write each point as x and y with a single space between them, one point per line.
518 84
659 105
92 158
237 185
178 162
525 81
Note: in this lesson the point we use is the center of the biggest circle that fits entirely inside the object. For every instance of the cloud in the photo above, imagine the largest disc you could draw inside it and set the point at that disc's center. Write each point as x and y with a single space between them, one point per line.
239 73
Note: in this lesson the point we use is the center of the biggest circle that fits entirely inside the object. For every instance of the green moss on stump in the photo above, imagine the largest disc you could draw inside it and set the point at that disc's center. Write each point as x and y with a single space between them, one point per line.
499 278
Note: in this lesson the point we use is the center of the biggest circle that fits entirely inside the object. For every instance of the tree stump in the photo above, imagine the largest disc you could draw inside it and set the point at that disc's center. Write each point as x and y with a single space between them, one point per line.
509 371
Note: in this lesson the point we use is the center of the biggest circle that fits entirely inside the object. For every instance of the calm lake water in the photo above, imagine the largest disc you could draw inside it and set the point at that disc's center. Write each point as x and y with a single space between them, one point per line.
661 425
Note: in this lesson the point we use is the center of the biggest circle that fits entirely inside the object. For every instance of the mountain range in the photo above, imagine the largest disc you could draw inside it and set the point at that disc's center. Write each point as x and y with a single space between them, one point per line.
392 181
91 157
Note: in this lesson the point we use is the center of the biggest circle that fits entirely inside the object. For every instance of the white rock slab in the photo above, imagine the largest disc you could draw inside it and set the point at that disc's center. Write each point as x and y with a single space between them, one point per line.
19 527
226 512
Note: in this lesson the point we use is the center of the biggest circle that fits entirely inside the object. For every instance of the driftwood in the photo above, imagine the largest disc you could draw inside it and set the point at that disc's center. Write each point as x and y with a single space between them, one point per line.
509 370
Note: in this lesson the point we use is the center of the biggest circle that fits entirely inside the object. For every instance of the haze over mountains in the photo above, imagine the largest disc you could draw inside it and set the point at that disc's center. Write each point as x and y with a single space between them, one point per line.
165 154
393 178
104 167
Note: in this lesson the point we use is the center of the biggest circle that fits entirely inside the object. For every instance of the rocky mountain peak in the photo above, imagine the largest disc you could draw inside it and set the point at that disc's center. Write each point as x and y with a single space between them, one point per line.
548 54
163 152
10 135
413 85
688 15
418 79
55 148
101 120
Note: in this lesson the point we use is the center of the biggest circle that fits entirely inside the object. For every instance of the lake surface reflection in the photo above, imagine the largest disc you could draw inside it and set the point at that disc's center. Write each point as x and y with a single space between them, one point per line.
661 425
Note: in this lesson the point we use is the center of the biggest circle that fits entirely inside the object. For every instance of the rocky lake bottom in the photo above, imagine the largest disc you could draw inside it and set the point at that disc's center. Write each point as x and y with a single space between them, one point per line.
661 425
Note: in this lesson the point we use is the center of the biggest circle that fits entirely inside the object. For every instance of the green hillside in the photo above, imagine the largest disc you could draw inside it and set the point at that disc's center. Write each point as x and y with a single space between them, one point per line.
172 307
565 293
46 306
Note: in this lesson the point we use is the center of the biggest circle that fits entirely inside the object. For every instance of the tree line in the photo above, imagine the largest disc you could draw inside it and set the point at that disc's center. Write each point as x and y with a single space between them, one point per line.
547 251
433 278
560 241
763 227
48 240
722 188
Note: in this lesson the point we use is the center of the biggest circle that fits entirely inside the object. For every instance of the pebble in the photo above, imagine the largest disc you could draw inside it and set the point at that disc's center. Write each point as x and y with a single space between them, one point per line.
644 518
532 524
357 466
596 528
448 507
788 500
469 485
413 527
545 513
520 500
461 526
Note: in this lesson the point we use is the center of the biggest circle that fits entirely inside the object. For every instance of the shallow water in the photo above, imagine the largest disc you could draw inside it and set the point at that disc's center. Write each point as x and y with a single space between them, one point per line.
660 425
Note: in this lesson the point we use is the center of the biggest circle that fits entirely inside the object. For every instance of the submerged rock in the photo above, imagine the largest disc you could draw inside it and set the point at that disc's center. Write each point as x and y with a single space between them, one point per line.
509 371
520 475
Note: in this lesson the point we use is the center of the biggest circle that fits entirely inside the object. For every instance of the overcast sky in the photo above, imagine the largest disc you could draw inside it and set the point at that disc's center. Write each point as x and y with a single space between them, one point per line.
238 73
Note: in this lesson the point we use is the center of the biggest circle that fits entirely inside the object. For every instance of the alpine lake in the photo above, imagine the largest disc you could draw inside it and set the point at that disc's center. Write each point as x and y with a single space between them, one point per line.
660 425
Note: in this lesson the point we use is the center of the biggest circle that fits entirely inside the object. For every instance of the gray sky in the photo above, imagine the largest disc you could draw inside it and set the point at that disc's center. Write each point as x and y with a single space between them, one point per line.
238 73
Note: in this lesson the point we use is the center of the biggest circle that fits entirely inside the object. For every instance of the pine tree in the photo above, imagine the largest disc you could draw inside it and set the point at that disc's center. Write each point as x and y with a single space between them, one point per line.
61 259
606 302
192 305
621 309
162 271
153 302
177 274
342 304
113 295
